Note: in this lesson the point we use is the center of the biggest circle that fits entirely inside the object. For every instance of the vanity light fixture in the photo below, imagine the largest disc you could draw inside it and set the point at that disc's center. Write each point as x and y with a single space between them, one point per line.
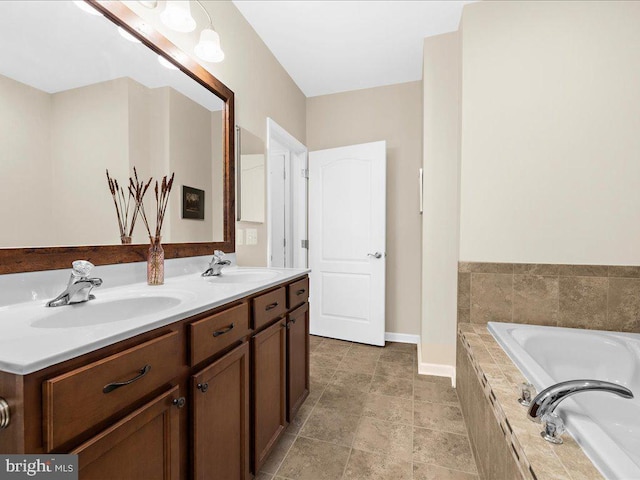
166 63
177 16
127 35
208 48
85 7
148 3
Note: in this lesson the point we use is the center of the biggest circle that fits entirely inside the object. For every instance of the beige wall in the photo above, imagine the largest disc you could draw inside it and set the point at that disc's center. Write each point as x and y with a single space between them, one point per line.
440 234
550 133
261 86
392 113
25 131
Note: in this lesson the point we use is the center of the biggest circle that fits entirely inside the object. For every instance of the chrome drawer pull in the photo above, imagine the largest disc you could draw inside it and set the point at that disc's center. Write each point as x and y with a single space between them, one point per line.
113 386
223 331
203 387
5 414
272 306
301 291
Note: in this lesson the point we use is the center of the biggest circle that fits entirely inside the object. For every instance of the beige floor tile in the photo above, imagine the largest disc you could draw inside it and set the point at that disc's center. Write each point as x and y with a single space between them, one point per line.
331 426
360 364
320 360
310 459
335 341
356 380
389 409
314 342
395 370
435 393
398 358
278 453
422 471
344 399
315 391
401 347
433 379
319 374
263 476
301 417
444 449
447 418
394 386
371 466
328 348
384 438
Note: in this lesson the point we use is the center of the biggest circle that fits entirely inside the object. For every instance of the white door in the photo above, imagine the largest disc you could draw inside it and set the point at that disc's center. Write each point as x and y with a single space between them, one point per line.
347 219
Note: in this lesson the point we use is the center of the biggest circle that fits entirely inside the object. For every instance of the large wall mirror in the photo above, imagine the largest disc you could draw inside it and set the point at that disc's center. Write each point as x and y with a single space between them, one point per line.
250 184
79 94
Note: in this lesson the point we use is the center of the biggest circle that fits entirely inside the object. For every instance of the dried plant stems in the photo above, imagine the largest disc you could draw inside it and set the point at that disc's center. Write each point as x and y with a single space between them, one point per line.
162 201
137 190
117 194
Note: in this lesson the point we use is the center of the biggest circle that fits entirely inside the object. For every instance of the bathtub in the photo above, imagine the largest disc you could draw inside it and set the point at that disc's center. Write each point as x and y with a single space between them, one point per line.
606 426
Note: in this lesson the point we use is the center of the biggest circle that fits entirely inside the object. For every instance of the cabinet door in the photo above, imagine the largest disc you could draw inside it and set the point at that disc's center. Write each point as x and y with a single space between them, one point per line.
269 390
144 444
297 359
220 395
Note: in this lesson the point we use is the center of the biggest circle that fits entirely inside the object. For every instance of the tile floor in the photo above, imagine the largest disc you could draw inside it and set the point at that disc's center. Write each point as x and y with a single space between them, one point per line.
369 415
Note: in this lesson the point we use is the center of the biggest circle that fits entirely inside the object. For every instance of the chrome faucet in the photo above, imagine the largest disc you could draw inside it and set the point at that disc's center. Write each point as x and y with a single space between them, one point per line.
216 264
79 287
544 404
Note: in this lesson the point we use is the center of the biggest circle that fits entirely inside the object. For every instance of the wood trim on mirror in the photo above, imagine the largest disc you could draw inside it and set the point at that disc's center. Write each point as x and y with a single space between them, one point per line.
14 260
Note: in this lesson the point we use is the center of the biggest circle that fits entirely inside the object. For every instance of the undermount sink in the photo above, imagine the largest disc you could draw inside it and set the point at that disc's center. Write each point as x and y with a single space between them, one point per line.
243 276
102 311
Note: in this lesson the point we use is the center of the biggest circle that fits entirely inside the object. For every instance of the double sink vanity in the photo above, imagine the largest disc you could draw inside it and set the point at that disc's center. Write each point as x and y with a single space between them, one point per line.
197 378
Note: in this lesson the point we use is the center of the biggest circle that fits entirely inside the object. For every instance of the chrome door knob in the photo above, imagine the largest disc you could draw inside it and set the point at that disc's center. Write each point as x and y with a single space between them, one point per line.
374 255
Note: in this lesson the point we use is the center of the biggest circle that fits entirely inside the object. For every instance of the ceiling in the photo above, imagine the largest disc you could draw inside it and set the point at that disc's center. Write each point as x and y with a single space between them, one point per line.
55 46
336 46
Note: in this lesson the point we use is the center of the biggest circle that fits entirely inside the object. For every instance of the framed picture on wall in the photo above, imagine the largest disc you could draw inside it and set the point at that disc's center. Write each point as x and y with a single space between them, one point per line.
192 203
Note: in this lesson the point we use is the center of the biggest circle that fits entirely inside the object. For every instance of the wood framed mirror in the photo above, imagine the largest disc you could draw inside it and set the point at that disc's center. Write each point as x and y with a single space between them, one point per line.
24 256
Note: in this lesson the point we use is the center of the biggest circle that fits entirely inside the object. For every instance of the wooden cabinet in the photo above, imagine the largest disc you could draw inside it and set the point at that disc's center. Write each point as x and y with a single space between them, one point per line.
268 352
297 359
144 444
206 397
220 396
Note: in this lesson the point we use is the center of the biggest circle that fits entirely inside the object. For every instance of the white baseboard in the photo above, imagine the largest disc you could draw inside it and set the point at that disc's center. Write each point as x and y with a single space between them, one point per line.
402 338
436 369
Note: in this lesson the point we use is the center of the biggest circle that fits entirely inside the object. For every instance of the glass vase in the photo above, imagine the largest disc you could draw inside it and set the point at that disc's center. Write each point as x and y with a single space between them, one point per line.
155 262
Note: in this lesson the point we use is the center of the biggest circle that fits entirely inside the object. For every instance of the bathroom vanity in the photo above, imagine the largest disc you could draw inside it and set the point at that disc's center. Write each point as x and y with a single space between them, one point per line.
204 396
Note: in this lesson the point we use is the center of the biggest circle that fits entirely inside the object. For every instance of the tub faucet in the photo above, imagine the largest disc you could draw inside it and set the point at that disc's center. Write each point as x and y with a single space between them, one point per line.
544 404
216 264
79 287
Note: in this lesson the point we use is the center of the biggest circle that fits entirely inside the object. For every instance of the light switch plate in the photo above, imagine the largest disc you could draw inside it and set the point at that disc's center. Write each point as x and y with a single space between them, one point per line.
252 236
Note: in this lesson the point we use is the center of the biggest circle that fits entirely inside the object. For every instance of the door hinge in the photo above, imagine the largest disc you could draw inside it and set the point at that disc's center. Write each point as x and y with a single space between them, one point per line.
304 243
304 173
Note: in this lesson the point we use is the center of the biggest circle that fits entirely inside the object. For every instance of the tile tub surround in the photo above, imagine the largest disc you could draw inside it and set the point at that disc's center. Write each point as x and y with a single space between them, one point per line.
596 297
482 360
370 416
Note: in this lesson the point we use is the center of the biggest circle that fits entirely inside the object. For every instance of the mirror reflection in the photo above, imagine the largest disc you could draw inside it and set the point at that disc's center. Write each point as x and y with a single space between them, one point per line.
78 98
250 169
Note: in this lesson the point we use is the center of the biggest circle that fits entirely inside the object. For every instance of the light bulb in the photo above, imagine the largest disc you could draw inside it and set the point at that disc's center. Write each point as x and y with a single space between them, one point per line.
208 48
177 16
127 35
85 7
166 63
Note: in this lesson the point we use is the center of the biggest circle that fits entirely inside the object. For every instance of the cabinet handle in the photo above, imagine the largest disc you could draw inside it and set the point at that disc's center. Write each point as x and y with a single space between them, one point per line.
293 320
179 402
301 291
203 387
5 414
272 306
113 386
223 331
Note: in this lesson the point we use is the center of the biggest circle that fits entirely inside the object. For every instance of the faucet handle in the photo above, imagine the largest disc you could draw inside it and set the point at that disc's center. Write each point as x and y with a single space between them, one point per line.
527 392
553 428
218 253
82 268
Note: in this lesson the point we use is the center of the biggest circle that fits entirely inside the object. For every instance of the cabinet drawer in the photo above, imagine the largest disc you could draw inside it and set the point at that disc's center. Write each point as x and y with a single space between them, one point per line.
298 292
269 306
76 401
210 335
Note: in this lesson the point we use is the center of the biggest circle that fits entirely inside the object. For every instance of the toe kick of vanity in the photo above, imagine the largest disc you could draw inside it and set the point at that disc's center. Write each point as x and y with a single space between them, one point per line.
206 395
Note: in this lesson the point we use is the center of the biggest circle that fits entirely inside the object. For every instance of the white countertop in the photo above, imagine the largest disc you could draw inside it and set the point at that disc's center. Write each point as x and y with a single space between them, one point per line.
33 337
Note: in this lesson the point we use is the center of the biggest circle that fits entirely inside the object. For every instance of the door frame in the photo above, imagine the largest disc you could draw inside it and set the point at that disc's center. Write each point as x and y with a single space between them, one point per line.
279 141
